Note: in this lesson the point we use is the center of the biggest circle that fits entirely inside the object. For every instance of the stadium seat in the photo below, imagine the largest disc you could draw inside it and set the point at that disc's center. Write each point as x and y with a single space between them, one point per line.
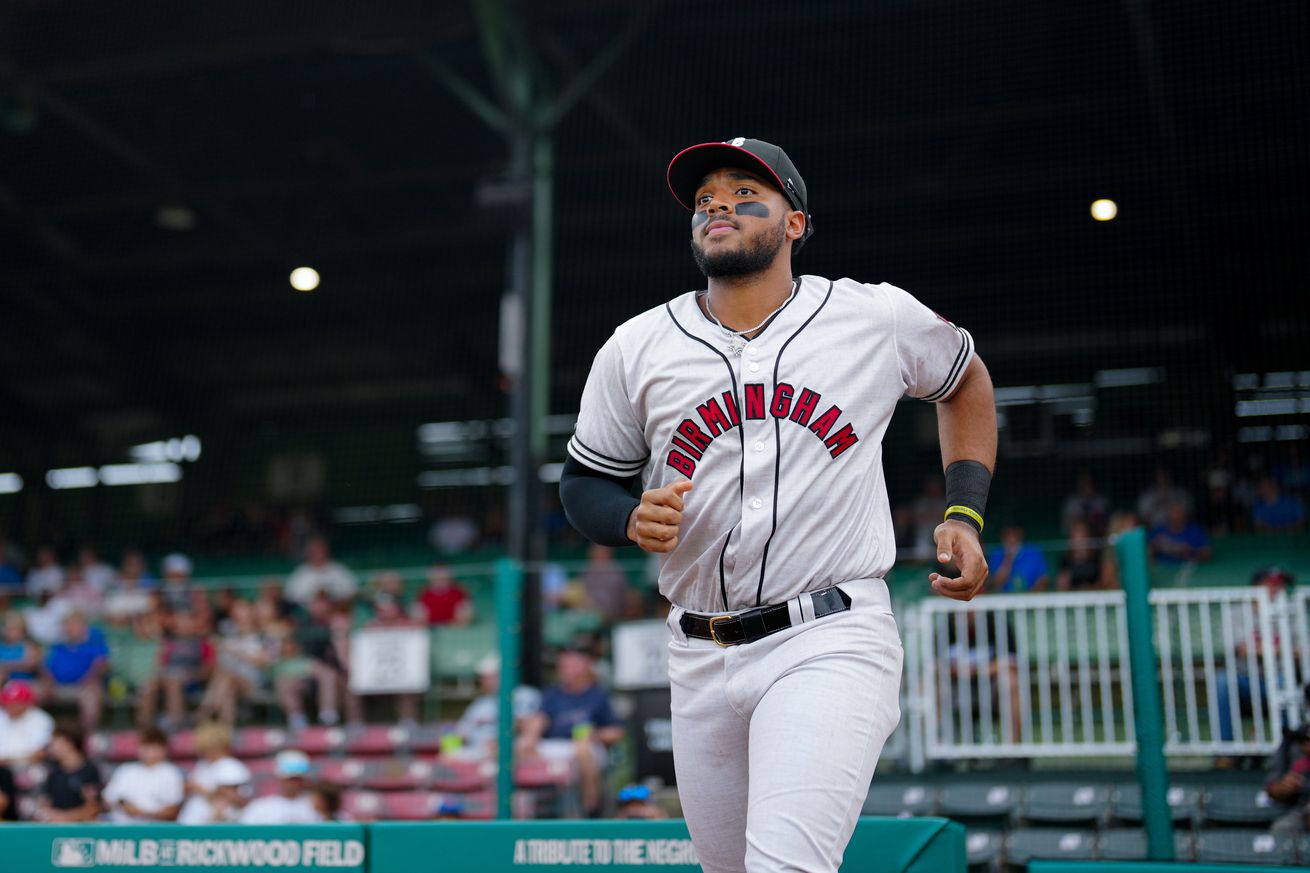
341 771
1025 844
318 740
376 739
901 801
258 742
462 776
409 805
182 744
543 773
115 746
983 849
263 786
426 738
397 774
361 805
1065 803
1244 846
1129 844
1126 802
477 806
982 801
261 766
1240 805
456 651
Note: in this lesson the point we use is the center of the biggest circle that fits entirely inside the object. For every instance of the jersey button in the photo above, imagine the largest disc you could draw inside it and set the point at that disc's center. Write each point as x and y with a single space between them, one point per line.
752 352
759 447
756 503
755 368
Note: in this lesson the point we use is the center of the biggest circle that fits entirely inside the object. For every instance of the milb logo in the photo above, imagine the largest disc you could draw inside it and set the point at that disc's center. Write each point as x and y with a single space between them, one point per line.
73 852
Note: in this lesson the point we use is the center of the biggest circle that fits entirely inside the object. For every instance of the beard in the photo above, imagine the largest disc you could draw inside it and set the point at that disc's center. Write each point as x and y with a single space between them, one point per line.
754 257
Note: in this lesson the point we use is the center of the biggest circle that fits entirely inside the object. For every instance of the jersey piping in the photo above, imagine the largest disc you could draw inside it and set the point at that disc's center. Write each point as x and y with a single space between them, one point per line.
599 461
777 442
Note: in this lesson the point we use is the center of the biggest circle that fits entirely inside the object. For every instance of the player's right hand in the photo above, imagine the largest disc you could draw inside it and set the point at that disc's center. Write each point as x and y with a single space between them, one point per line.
653 525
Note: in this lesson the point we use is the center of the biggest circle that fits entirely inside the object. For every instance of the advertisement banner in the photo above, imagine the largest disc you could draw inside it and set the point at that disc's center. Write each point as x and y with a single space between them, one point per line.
214 848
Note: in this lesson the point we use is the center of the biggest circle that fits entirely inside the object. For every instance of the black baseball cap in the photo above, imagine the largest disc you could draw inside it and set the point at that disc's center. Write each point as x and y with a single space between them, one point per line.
764 159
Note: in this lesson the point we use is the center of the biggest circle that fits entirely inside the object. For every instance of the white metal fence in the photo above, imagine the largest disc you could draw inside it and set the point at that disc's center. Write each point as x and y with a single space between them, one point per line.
1047 675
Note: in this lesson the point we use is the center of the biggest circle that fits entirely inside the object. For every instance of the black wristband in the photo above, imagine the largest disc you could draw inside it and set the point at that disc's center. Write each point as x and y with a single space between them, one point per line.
967 484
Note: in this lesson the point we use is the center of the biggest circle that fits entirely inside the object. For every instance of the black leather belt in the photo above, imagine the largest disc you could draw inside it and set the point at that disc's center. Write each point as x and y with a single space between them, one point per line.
755 624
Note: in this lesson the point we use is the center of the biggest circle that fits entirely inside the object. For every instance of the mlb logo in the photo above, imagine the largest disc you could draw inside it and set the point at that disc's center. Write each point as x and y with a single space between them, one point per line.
73 852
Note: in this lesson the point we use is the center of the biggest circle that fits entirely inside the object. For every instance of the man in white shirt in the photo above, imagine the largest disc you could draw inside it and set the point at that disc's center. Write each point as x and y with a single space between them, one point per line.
320 573
224 799
24 729
293 803
148 790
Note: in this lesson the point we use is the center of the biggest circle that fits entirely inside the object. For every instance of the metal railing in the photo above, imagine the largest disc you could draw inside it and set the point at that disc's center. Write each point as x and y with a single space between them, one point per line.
1047 675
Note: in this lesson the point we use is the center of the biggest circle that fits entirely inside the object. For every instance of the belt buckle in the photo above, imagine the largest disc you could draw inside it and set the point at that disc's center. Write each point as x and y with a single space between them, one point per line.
714 634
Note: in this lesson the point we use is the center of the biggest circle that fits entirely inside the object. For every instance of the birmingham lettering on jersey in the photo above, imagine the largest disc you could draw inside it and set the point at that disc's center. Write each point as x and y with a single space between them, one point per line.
718 415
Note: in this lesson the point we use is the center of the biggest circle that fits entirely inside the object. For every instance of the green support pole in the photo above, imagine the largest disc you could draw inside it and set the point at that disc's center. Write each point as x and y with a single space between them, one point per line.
1148 716
509 590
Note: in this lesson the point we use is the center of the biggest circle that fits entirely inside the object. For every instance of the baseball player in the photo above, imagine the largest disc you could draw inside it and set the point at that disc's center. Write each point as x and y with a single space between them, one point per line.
749 418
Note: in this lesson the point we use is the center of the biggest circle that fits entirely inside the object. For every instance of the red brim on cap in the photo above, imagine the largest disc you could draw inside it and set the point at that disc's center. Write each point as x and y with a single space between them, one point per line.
696 162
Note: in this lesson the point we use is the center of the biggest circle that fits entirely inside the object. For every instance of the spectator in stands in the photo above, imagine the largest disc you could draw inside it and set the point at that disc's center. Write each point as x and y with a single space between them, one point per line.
45 620
75 669
244 654
635 802
133 567
1274 511
450 809
213 786
605 585
71 792
1274 580
576 722
1086 505
20 658
986 658
479 726
294 802
1120 522
46 576
444 600
225 800
326 799
327 642
292 672
319 573
186 661
11 576
388 612
1016 566
1153 504
454 533
24 728
78 595
1219 511
1083 566
1289 783
127 600
8 795
178 592
97 573
1179 540
148 790
270 604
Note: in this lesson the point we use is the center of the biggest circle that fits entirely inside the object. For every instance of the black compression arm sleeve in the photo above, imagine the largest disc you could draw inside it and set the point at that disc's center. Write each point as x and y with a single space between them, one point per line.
596 504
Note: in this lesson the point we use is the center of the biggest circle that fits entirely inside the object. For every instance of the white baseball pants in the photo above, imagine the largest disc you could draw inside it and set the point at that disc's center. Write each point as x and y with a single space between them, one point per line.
775 741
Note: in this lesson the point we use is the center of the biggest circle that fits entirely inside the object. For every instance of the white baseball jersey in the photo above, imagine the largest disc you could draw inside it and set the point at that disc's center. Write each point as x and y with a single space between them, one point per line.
783 441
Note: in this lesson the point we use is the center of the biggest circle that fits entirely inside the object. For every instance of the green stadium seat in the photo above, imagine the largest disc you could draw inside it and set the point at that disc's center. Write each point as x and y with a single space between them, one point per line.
900 801
1065 803
1026 844
983 849
134 661
1129 844
456 651
1239 805
994 801
1184 802
1244 846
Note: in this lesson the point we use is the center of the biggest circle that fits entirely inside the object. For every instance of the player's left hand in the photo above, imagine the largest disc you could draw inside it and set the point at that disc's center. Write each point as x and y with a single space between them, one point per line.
959 544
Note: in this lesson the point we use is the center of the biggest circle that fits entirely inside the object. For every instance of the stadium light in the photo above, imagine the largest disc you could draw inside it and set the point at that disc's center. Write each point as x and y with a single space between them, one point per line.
10 483
1104 210
72 477
304 278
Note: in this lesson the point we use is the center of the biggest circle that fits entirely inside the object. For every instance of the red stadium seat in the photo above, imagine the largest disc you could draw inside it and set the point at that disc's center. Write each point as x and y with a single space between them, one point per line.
265 785
318 740
397 774
256 742
409 805
426 739
182 744
342 771
479 806
261 766
376 739
462 776
543 773
362 805
115 746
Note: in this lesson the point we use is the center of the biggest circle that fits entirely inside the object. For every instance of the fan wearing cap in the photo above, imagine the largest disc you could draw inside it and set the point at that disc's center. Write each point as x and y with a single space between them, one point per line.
736 431
25 729
294 801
